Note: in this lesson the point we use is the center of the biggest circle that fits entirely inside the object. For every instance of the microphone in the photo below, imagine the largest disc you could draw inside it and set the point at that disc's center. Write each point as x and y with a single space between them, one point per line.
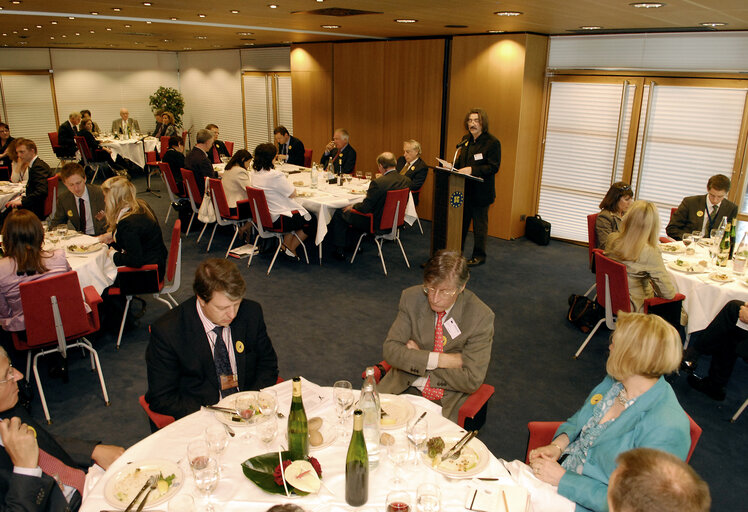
465 138
464 141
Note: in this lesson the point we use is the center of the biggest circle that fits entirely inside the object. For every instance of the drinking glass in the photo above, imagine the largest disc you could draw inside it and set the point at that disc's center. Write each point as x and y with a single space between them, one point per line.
696 235
182 503
738 264
348 178
198 452
418 433
217 439
397 453
207 476
268 402
398 501
267 428
61 230
428 498
714 236
342 393
246 406
687 239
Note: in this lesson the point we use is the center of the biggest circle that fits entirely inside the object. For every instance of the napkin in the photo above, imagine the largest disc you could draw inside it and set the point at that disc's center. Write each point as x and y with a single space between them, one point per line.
489 497
543 496
314 397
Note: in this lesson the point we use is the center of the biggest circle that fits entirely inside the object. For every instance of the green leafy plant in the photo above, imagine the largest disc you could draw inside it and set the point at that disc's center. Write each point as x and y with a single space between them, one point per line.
170 100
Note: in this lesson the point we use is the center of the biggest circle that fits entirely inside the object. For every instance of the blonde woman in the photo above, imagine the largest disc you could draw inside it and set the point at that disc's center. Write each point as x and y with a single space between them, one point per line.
132 227
635 245
632 407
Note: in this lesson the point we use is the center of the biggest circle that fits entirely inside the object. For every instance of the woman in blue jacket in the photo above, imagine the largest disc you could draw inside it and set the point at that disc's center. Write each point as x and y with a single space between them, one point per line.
632 407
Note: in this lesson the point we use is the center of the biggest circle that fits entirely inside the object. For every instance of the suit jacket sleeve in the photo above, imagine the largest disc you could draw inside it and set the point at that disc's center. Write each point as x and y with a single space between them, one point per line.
129 239
395 352
349 160
61 214
266 361
679 223
135 126
296 152
418 175
661 280
27 493
36 187
369 203
604 226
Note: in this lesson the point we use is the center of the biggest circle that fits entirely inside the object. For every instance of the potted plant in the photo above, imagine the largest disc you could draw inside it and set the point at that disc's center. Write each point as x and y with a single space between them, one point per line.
170 100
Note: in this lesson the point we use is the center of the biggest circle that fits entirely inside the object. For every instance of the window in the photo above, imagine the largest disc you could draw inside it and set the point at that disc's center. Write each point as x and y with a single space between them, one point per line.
267 104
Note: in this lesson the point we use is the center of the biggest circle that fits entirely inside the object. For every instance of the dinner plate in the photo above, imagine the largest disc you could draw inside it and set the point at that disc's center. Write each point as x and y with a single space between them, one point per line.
329 434
721 277
688 268
673 248
474 456
257 400
121 488
84 249
398 411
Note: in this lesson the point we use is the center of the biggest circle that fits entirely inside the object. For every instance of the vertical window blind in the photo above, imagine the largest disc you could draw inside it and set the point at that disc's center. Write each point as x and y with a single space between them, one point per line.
267 104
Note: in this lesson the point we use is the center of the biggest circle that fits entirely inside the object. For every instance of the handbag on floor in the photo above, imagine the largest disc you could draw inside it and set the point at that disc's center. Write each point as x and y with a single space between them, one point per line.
583 312
206 214
538 230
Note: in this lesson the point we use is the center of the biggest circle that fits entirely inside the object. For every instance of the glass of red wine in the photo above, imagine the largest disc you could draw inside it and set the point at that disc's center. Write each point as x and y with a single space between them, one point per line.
398 501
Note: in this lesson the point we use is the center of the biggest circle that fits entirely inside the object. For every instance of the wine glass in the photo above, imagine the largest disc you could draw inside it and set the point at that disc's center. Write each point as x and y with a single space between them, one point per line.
428 498
247 407
342 392
207 476
687 239
268 402
217 439
696 235
198 452
398 501
267 428
397 453
348 178
182 503
418 433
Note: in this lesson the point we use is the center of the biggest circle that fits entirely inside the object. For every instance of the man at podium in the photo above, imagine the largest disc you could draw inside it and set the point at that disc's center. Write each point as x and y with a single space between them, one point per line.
480 155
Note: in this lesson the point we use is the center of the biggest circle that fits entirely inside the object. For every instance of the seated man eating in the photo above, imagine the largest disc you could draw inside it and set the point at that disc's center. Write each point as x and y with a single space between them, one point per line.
440 342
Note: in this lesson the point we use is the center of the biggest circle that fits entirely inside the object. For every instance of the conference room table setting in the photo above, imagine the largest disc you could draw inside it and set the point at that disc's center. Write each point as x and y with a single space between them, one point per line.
133 149
86 255
244 463
707 287
9 191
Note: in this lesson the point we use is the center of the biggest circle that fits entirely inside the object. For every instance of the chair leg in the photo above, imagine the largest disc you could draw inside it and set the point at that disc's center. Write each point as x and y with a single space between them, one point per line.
168 212
161 299
274 257
233 238
212 234
739 411
41 390
306 255
589 337
124 318
87 344
355 251
419 224
172 299
28 366
402 250
594 285
252 253
201 233
190 225
381 257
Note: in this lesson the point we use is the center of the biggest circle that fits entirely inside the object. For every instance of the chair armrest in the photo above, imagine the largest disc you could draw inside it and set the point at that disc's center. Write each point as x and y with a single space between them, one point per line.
474 403
91 296
541 434
369 215
666 240
380 370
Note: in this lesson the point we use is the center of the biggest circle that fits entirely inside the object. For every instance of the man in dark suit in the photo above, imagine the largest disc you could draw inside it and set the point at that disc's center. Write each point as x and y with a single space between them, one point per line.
210 346
31 485
704 212
412 166
290 148
66 134
480 156
372 203
342 155
218 149
197 159
81 205
440 342
36 187
174 156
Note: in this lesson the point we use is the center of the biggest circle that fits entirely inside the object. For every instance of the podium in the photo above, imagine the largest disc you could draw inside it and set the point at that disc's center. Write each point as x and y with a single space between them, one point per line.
448 206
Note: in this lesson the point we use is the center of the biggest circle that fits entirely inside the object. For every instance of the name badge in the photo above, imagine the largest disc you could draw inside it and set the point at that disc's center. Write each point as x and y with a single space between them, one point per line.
229 382
478 156
451 327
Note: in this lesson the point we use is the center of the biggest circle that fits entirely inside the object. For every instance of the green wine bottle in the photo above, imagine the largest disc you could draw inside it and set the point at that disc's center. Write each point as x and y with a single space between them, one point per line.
357 465
298 430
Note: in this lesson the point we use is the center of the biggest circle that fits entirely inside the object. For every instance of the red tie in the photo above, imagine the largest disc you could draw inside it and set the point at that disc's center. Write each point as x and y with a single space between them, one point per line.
428 391
61 472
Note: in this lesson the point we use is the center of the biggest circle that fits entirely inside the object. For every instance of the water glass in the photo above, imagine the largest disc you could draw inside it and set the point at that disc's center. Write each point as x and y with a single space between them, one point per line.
61 230
342 393
268 402
217 439
428 498
418 433
738 264
696 235
398 453
398 501
198 453
182 503
207 476
267 428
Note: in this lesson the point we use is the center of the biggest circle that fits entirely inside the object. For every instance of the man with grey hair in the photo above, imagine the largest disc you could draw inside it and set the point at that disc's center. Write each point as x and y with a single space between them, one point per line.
372 203
340 153
647 479
412 166
440 342
66 134
197 159
125 125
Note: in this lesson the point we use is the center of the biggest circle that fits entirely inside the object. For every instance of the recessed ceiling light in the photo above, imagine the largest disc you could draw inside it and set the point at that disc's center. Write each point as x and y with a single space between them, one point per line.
77 33
201 37
109 29
51 37
138 42
201 15
23 42
173 18
216 46
38 26
16 2
187 48
71 17
53 22
167 40
273 6
26 29
128 26
245 33
249 44
403 20
94 13
92 32
15 31
148 22
591 27
713 24
647 5
495 31
234 11
508 13
5 34
147 4
330 26
116 9
63 35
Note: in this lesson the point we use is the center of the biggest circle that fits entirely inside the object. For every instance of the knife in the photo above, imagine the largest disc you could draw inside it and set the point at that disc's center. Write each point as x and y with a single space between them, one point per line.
222 409
148 483
457 445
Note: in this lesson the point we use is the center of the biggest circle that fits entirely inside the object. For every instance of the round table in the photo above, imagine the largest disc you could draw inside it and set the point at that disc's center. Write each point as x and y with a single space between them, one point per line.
95 269
132 149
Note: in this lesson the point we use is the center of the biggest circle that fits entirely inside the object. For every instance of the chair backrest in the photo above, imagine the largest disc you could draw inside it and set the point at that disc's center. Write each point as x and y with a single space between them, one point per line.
169 179
53 139
308 157
219 197
85 151
192 191
393 213
38 310
158 419
175 249
615 275
51 201
259 206
695 431
229 147
151 158
591 235
164 147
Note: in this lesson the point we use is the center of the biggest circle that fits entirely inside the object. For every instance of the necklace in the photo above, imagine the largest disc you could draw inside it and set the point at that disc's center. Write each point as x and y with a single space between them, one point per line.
622 397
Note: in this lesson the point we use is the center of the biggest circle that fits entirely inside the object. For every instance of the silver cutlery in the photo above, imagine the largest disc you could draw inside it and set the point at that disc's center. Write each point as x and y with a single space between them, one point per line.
152 480
229 430
154 484
457 448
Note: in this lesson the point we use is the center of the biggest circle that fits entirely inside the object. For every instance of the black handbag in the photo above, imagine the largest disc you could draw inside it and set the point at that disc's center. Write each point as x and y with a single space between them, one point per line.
538 230
583 312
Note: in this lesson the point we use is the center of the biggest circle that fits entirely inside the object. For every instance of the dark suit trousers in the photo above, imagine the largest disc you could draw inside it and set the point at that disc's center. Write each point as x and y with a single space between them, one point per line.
339 226
478 215
721 340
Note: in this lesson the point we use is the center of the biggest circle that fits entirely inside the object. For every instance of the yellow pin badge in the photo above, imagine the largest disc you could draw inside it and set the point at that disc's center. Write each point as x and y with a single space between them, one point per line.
239 347
596 398
699 213
70 213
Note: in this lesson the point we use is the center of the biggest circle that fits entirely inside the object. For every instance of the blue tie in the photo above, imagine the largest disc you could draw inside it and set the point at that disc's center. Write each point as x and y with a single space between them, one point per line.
221 360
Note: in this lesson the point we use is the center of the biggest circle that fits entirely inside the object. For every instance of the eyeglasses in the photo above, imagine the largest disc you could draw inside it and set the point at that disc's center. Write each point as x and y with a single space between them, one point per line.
10 375
431 290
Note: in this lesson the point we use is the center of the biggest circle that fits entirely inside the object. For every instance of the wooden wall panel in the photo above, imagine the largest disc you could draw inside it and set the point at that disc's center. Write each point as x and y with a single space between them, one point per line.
311 82
503 74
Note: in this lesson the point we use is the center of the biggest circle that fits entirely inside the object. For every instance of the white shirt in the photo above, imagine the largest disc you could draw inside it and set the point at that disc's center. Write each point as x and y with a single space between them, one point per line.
225 334
277 194
89 217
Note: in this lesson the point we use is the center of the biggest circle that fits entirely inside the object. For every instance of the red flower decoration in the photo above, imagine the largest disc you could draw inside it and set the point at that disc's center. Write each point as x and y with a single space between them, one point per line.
277 475
315 464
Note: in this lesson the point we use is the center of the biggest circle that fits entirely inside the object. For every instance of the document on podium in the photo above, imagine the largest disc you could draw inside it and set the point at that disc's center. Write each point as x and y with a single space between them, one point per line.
447 166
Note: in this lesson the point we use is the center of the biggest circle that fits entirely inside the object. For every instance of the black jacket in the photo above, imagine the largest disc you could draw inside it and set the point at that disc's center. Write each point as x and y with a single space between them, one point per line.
295 151
176 162
417 173
346 161
66 140
36 187
141 243
197 162
484 156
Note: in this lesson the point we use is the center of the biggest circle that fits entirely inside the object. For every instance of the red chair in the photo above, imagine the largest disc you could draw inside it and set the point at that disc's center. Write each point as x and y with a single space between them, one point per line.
472 414
667 239
308 157
164 147
58 150
613 294
543 432
55 313
171 186
157 419
145 280
87 156
50 203
393 217
229 147
193 193
416 195
263 223
223 214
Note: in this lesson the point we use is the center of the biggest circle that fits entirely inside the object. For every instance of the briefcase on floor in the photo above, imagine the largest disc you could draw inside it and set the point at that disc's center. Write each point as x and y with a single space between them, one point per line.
538 230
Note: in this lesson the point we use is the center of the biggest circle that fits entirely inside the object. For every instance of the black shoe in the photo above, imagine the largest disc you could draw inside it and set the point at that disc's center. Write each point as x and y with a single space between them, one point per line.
474 262
707 387
339 255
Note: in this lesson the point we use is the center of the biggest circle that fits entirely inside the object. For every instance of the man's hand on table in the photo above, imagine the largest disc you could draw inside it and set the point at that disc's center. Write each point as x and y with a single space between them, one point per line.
348 208
105 454
15 203
20 443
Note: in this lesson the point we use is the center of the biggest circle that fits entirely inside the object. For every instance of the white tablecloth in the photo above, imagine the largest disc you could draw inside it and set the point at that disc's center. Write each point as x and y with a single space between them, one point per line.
236 493
9 191
704 297
95 269
132 149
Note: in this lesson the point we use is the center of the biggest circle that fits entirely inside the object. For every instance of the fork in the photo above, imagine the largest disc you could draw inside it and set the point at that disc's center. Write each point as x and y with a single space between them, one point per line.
154 484
456 454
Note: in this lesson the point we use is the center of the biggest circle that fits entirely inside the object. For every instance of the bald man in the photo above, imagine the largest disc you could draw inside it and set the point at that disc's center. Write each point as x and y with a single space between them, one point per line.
125 124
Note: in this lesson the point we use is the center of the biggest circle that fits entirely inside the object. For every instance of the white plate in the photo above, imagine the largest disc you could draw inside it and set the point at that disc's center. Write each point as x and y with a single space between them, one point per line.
475 449
689 268
399 412
126 481
230 403
673 248
329 434
721 277
84 249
